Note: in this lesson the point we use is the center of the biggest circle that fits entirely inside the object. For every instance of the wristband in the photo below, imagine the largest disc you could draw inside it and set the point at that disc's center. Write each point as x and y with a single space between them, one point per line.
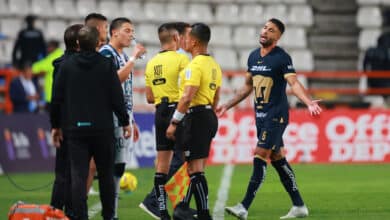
177 116
132 59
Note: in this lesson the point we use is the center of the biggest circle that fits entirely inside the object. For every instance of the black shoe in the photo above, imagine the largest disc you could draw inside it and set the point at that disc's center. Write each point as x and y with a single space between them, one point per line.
182 213
165 217
150 209
194 213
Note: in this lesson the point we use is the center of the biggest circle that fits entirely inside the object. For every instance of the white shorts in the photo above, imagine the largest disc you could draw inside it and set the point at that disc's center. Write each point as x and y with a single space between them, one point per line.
123 147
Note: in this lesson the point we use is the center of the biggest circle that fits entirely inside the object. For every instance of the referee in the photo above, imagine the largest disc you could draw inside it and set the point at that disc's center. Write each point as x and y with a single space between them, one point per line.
161 77
199 85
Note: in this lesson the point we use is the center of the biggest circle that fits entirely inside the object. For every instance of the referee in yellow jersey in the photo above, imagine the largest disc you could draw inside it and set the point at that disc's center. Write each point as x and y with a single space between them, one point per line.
199 85
161 76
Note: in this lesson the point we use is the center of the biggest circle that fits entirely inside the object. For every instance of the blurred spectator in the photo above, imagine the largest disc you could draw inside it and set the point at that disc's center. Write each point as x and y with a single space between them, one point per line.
45 68
376 59
29 45
24 91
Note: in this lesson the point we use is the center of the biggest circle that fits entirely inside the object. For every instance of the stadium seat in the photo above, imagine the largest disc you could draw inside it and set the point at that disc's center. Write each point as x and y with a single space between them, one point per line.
369 16
134 10
292 2
147 33
84 7
43 8
301 15
246 36
237 81
200 13
368 2
251 11
10 27
55 29
386 2
221 35
150 52
368 38
302 60
154 11
40 24
6 47
3 8
227 14
226 57
243 55
65 9
294 37
18 7
109 9
276 11
176 11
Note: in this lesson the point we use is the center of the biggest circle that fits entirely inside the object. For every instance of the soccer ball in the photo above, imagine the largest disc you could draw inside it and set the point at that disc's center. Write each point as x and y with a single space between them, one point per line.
128 182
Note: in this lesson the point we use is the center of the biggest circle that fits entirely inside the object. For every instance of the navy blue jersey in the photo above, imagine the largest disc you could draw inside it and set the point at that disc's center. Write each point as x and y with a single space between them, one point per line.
269 84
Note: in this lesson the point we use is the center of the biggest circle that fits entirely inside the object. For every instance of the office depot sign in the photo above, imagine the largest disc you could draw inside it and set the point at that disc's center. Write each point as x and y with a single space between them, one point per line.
341 135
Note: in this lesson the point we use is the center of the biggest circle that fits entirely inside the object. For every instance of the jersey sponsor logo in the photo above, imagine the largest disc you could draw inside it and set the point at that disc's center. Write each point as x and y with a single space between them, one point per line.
158 71
159 81
261 114
261 68
212 86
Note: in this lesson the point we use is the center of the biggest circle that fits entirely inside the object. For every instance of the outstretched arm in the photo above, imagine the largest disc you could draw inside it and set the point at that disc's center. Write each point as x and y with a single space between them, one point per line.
299 91
240 95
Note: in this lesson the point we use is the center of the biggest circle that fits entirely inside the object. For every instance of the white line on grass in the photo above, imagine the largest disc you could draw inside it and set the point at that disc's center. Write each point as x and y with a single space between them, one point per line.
94 210
223 192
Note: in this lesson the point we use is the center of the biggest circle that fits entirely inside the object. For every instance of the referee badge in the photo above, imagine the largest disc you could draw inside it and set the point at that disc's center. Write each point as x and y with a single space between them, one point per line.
188 74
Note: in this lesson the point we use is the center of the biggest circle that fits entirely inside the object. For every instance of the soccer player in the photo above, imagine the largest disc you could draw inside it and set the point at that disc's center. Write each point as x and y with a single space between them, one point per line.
161 77
98 21
269 70
199 84
122 33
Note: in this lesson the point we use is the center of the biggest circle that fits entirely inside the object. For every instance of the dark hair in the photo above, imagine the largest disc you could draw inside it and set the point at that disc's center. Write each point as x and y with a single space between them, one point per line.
117 23
88 38
70 36
166 32
94 16
181 26
30 19
278 23
201 31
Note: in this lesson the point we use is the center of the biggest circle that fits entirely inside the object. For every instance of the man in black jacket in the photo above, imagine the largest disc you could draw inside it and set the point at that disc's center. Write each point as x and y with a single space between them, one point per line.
88 90
61 193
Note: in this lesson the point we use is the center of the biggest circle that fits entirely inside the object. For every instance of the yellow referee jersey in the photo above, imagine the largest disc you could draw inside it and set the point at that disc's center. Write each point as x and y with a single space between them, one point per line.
204 72
162 73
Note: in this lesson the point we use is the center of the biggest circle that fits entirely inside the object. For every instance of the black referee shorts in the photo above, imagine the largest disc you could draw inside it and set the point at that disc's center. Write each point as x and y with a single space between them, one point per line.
199 128
162 120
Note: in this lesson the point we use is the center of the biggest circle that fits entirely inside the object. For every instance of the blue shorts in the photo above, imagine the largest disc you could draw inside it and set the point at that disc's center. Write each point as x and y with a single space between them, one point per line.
270 137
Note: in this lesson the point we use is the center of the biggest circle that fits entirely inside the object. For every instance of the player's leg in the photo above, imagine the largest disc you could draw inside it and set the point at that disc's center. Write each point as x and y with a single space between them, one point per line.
160 178
287 177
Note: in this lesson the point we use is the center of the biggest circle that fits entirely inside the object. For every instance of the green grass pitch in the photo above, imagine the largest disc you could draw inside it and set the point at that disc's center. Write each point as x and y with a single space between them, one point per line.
339 192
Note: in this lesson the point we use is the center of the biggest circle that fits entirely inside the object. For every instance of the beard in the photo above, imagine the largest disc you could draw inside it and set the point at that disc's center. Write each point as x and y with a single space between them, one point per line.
266 43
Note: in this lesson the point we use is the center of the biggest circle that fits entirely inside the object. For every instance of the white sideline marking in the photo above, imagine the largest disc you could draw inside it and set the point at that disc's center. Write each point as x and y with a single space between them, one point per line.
223 192
95 209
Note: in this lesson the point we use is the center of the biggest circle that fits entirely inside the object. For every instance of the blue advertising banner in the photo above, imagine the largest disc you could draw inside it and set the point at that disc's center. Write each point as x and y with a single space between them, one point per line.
26 145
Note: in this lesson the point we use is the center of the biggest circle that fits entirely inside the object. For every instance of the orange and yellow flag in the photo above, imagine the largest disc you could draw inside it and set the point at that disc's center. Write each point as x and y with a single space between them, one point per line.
177 186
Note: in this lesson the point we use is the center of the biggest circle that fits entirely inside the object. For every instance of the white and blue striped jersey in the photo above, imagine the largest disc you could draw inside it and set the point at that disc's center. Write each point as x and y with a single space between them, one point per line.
127 86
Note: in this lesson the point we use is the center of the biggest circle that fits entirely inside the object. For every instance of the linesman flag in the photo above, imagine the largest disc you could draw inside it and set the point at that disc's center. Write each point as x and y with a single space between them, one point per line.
177 186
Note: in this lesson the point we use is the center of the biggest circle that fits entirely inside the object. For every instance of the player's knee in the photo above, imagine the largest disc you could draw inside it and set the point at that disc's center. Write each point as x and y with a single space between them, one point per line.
119 170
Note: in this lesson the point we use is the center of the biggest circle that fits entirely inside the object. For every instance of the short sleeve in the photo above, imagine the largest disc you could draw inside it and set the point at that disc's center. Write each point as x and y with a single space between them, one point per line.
287 66
192 76
148 75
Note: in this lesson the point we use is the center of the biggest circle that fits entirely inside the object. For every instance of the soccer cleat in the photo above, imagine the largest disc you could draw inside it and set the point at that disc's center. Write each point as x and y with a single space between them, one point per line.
183 213
297 212
238 211
151 210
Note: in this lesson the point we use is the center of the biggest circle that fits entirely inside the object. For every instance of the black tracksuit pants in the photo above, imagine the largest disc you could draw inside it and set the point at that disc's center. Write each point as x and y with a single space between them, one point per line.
81 149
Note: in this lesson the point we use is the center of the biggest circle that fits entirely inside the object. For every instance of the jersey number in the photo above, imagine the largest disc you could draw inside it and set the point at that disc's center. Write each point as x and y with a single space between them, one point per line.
262 86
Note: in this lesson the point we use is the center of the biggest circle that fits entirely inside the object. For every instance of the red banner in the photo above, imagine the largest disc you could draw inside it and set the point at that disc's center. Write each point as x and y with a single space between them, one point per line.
340 135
